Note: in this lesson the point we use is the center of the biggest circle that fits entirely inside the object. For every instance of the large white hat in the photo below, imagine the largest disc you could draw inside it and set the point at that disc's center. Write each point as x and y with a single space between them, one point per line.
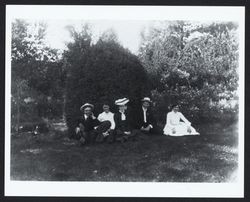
122 101
86 105
146 99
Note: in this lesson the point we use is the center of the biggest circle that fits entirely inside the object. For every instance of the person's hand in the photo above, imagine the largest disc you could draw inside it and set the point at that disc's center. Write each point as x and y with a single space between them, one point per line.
77 130
147 128
105 134
93 116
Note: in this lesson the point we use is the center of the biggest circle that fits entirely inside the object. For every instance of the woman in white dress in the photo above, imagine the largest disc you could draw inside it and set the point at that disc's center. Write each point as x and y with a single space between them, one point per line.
175 127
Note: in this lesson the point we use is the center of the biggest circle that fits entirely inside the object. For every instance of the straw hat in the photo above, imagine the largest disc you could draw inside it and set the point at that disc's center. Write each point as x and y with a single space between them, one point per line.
86 105
146 99
122 101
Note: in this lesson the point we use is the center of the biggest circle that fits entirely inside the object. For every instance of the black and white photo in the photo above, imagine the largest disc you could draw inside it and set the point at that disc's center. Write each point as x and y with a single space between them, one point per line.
141 101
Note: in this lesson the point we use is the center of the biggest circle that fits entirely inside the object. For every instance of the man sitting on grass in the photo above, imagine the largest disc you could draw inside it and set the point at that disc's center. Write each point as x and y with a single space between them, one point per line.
144 119
89 128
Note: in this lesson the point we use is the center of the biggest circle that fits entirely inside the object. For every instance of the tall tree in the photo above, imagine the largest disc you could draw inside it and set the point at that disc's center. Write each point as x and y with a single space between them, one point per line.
36 72
192 63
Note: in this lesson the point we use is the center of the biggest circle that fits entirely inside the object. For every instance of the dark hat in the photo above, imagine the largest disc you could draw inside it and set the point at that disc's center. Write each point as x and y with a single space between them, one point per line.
86 105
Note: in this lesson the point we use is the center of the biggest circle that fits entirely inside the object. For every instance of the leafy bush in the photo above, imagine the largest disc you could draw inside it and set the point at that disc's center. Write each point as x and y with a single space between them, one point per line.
101 73
194 65
37 81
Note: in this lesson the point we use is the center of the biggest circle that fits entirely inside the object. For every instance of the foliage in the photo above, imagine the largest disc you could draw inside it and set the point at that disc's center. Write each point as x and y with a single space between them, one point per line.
37 74
99 73
192 64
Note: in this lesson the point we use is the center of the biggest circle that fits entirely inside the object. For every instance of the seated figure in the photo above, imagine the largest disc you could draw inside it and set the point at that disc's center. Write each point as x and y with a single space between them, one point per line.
89 128
175 127
107 115
144 117
123 121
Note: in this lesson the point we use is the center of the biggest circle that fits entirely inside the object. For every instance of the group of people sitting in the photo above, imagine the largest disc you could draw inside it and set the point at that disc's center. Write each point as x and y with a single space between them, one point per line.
122 126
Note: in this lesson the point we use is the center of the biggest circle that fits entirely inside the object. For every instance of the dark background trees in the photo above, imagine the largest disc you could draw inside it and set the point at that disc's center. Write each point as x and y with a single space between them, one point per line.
194 64
100 73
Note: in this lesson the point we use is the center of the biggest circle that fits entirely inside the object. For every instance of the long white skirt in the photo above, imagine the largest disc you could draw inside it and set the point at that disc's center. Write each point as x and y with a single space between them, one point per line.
179 130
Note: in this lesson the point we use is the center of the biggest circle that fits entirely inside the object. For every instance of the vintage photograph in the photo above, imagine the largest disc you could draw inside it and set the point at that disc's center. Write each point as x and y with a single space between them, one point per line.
124 100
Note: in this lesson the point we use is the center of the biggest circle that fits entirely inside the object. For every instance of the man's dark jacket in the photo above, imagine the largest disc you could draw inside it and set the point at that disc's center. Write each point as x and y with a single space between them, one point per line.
139 118
89 123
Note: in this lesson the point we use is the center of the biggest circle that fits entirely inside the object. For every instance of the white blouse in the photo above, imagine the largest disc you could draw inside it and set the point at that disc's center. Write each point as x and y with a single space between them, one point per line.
173 118
107 117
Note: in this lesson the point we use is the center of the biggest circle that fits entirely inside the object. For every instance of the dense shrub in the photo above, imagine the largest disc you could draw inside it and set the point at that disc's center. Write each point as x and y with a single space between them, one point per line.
103 73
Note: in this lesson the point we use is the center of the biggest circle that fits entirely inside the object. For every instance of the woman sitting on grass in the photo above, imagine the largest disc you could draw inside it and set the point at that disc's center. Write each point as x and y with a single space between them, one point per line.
107 115
175 127
123 122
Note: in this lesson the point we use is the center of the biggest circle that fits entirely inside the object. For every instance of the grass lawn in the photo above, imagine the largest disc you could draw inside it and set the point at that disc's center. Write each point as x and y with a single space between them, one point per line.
210 157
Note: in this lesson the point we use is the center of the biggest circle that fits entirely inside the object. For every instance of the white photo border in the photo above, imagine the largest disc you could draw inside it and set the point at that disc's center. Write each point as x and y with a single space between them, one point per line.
125 189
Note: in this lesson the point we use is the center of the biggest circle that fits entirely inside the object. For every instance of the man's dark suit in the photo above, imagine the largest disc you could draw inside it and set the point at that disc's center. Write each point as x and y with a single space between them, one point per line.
88 130
139 118
89 123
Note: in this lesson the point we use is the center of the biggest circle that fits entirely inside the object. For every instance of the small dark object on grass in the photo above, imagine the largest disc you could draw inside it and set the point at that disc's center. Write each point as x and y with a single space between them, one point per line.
34 127
36 131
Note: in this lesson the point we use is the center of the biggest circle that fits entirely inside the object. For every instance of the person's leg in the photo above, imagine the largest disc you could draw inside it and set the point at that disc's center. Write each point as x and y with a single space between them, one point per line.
134 134
102 128
84 137
92 136
81 135
99 138
120 136
155 130
140 134
146 130
111 136
77 134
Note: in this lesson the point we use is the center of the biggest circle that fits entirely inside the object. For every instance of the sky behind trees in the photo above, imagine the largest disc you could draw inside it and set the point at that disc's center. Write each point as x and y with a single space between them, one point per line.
128 31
